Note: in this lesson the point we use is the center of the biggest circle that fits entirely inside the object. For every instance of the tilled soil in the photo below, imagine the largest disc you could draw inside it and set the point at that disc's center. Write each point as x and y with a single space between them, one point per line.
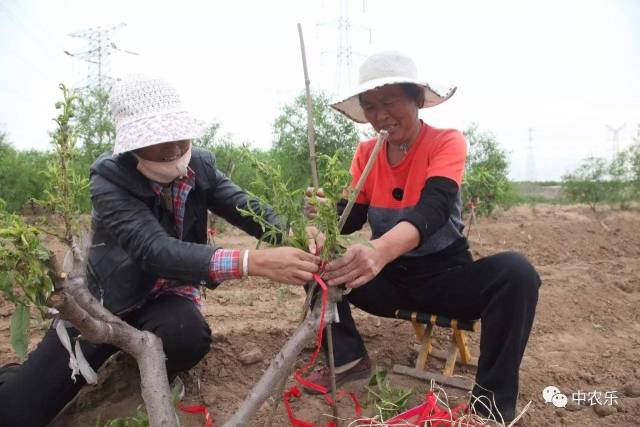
586 336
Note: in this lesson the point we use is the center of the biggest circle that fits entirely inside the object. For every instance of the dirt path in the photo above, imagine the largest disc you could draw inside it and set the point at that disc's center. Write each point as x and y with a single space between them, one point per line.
586 336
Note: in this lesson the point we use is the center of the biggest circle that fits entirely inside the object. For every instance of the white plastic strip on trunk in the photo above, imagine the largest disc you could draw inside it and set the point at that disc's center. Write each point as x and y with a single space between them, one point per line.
85 369
79 364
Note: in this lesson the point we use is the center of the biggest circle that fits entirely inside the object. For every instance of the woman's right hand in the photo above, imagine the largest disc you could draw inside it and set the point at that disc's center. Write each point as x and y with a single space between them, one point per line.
284 265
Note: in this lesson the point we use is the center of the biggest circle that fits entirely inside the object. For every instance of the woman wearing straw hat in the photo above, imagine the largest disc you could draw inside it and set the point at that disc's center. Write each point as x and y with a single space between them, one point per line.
418 258
149 255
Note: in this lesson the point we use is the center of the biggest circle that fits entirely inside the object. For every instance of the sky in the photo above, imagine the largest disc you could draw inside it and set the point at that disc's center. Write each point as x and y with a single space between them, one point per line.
568 70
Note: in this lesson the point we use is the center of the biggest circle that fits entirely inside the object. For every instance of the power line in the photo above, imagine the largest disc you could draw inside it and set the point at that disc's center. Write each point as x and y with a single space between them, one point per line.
531 162
100 48
344 51
25 30
615 137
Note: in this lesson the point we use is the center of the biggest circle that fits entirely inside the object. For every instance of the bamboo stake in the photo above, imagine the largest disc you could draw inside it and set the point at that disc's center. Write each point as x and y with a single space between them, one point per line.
316 184
311 133
382 137
292 348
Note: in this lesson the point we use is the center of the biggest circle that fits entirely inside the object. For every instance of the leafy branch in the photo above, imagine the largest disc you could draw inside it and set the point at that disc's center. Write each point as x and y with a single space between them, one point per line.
327 220
64 187
276 191
286 202
24 276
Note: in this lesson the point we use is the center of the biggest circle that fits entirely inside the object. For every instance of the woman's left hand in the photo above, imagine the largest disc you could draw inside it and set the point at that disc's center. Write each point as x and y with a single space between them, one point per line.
357 266
315 239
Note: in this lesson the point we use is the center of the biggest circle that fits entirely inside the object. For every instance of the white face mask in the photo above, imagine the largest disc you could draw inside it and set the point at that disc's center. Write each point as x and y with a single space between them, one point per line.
164 172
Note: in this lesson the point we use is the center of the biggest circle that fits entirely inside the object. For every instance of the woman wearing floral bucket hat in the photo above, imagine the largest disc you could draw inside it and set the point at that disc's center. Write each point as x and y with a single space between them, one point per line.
418 258
150 256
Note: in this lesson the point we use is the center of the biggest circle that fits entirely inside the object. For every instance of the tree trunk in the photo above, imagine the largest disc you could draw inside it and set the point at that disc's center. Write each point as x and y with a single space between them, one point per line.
98 325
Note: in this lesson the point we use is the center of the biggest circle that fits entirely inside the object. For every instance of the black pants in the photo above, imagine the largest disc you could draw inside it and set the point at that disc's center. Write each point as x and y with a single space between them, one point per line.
42 386
502 290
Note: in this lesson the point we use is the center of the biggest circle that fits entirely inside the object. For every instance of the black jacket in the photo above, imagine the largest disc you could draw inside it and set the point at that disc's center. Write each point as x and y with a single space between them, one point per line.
134 241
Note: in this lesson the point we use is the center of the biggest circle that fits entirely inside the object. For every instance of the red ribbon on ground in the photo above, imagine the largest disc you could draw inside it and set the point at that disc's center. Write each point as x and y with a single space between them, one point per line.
197 409
429 411
294 391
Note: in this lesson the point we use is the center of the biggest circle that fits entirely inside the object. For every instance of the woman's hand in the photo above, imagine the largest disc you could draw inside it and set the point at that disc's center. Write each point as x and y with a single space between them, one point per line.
316 239
284 265
357 266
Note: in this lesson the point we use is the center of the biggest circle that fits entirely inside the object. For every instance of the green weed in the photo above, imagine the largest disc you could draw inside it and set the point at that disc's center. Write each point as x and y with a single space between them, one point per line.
387 400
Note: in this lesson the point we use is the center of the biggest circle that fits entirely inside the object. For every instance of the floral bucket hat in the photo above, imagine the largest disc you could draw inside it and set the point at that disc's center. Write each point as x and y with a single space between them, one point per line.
147 111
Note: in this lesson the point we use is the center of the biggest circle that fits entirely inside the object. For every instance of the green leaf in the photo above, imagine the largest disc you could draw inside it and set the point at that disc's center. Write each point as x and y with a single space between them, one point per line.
19 328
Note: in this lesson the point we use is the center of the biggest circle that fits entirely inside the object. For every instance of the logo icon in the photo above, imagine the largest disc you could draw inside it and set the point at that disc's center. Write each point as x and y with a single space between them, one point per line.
551 394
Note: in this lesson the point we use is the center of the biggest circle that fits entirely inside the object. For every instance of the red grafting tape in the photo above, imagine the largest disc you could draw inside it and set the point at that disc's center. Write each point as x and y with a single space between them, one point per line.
294 391
198 409
299 372
427 411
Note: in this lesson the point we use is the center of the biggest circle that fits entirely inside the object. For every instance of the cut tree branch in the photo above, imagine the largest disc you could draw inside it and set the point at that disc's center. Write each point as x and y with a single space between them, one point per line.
281 365
98 325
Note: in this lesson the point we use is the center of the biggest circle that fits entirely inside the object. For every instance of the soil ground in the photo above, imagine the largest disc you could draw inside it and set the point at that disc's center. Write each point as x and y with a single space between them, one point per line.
586 336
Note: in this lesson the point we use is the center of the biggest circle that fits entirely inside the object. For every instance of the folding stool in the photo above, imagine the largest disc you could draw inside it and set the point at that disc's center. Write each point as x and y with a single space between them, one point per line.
423 325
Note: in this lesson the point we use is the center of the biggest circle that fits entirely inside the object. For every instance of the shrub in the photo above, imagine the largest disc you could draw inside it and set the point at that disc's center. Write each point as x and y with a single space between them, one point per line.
230 159
21 178
485 183
597 180
585 184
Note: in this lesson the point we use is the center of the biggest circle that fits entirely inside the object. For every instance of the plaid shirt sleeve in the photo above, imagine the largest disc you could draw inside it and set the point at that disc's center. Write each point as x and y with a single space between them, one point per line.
225 265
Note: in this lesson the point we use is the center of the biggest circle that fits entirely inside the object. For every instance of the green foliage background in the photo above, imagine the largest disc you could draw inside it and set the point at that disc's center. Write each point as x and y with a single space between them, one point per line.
485 184
20 175
614 181
334 133
23 172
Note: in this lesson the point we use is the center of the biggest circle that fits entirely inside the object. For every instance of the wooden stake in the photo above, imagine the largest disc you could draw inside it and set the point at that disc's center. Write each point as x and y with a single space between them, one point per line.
382 137
311 133
311 139
284 360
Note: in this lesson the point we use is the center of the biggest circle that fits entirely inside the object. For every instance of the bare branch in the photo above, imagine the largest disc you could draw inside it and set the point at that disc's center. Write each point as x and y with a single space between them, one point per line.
280 366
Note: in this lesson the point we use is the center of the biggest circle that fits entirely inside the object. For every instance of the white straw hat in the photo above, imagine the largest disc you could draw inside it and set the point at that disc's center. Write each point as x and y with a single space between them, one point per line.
385 68
147 111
